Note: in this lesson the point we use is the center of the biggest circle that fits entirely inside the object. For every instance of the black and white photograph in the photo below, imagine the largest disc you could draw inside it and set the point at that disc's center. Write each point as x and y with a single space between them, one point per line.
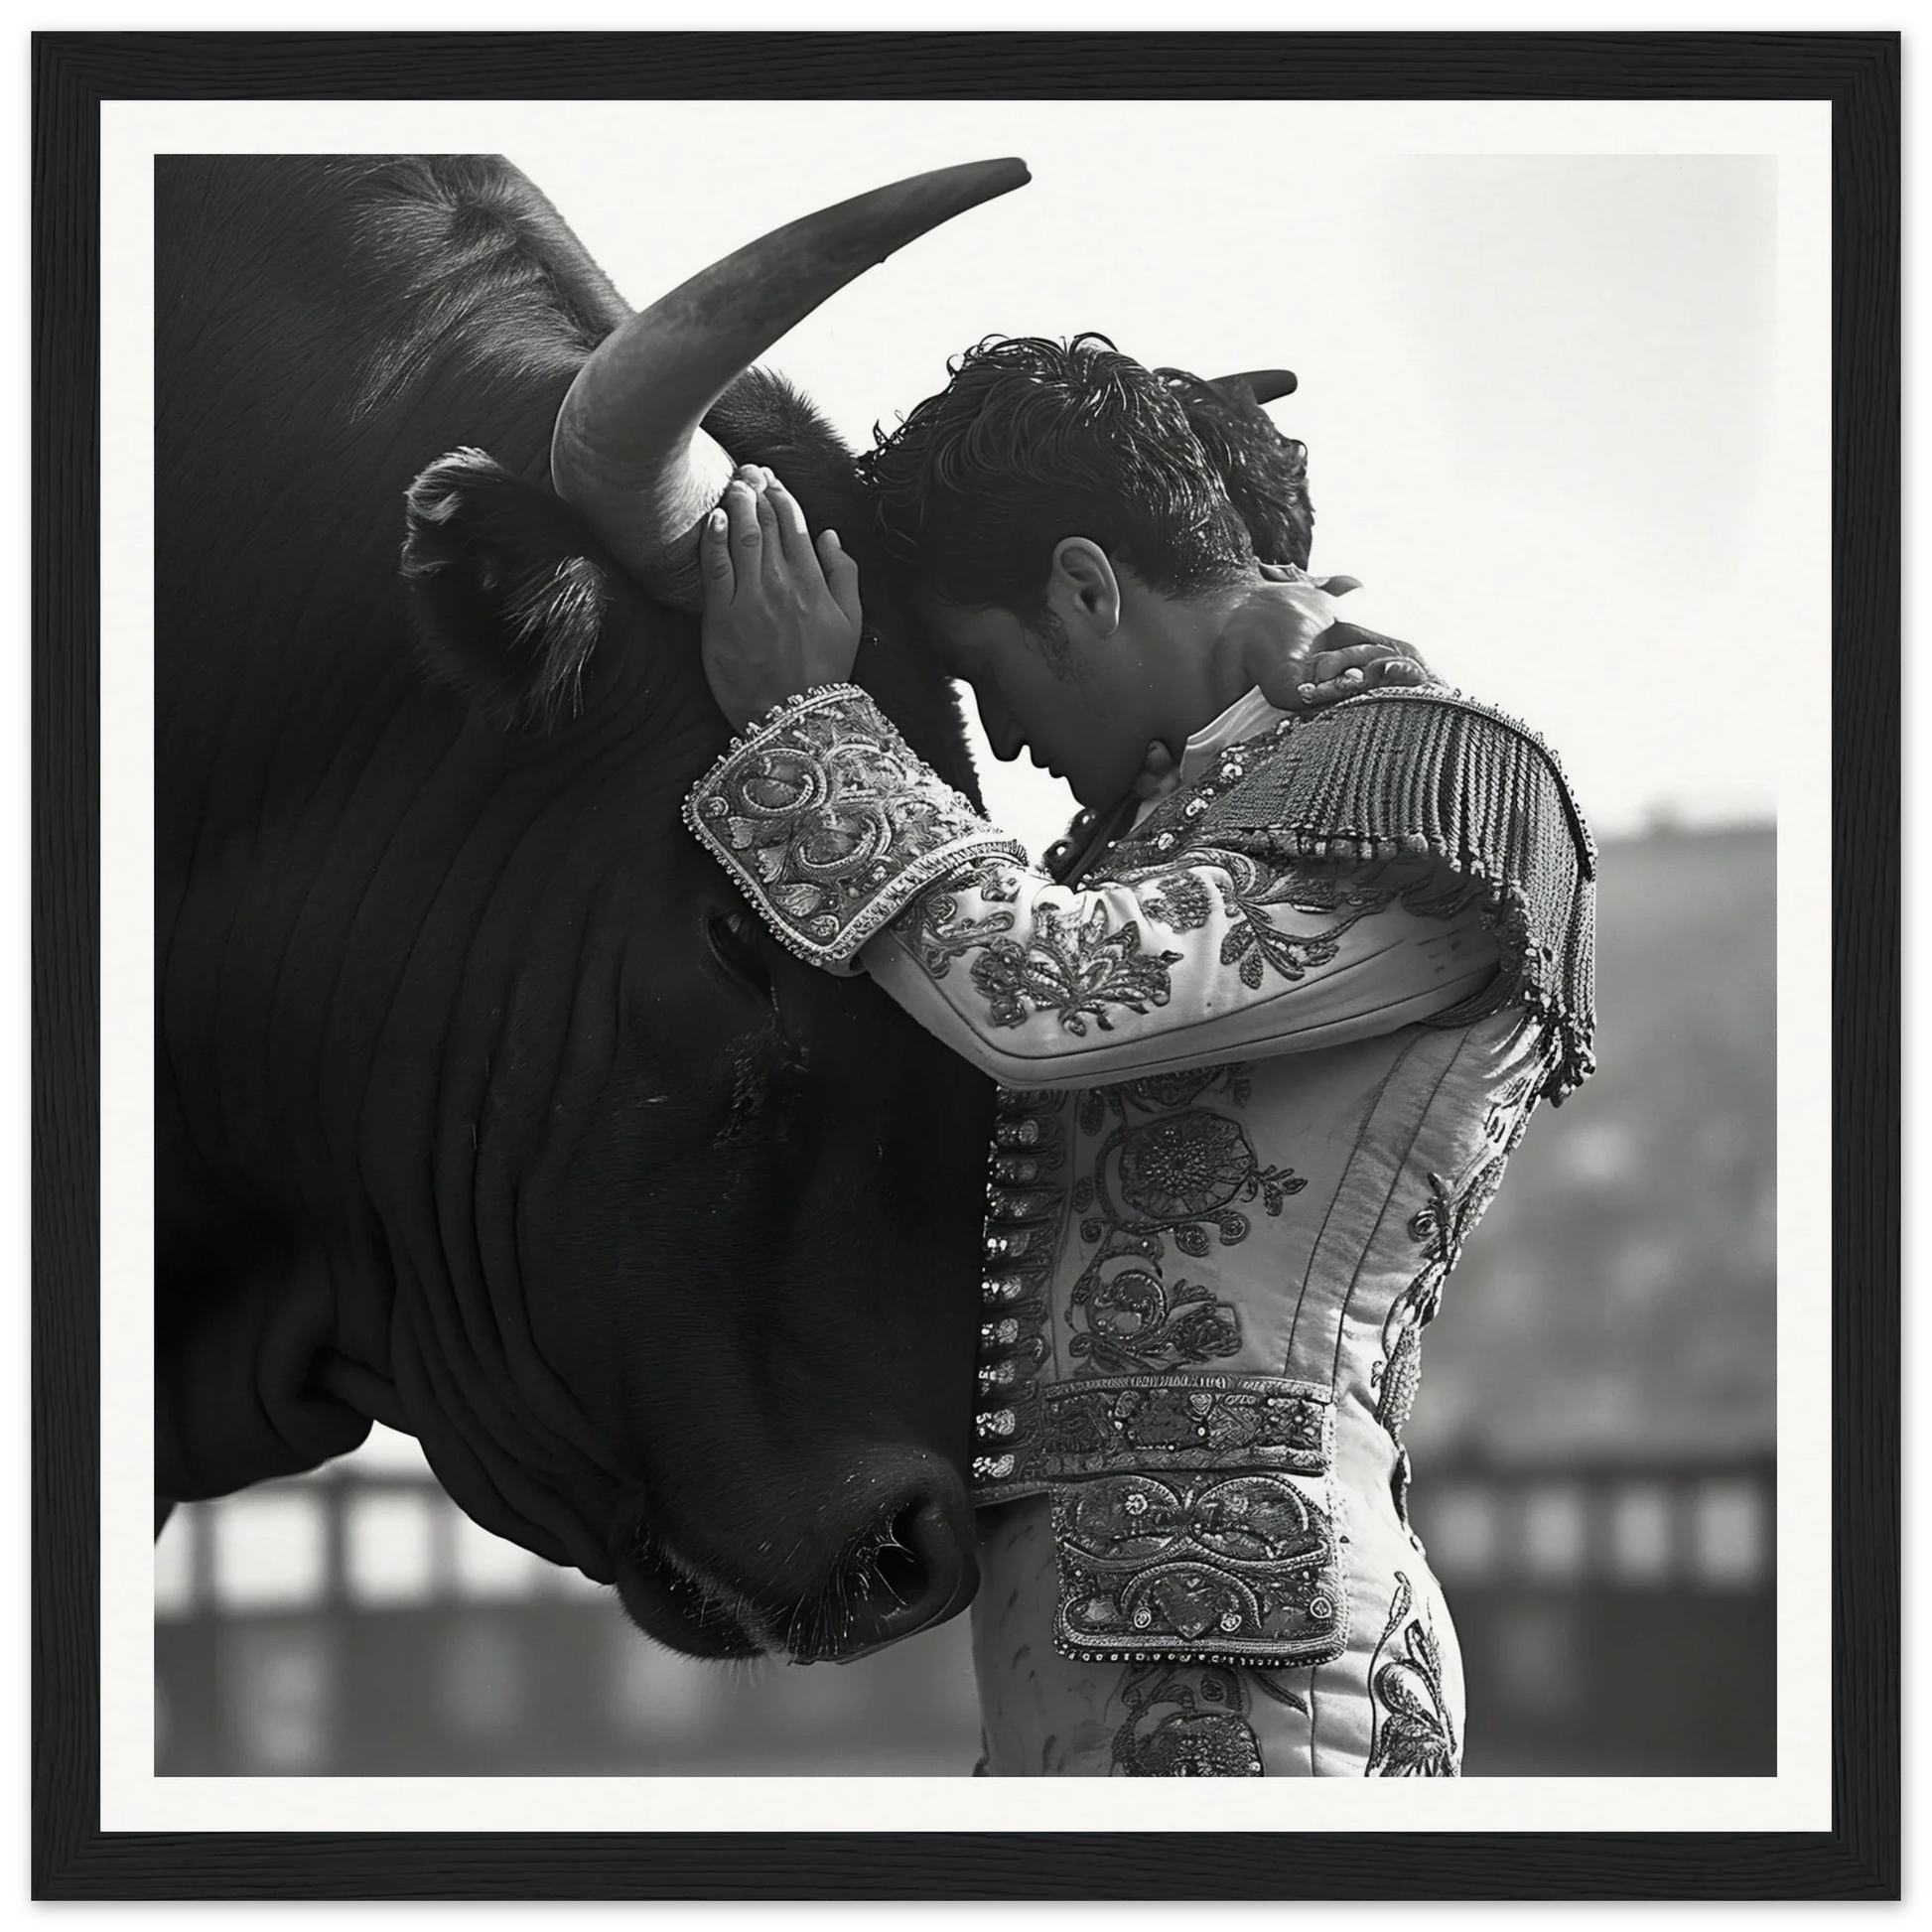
965 938
758 1188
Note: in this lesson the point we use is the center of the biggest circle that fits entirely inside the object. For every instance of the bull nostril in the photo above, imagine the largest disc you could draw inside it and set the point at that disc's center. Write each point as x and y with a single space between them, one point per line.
904 1564
910 1570
892 1566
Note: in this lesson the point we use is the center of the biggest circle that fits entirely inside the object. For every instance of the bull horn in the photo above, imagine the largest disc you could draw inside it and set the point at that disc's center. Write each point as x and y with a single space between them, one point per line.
1265 386
628 449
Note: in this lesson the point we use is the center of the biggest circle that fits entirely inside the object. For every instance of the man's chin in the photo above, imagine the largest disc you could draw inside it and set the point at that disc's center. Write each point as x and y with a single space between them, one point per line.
1102 799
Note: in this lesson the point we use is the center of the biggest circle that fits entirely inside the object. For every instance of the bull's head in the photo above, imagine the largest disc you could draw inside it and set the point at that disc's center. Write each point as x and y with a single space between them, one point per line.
725 1208
487 1110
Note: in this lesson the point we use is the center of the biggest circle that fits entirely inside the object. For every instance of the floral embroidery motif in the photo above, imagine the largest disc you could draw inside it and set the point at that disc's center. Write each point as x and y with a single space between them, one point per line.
1136 1320
932 926
830 822
1186 1723
1073 967
1439 1228
1176 1566
1175 1175
1188 1168
1180 901
1255 944
1413 1736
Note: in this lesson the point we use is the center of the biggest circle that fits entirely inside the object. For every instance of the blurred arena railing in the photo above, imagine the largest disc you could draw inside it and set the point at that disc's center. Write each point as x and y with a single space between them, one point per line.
1612 1621
356 1622
1593 1453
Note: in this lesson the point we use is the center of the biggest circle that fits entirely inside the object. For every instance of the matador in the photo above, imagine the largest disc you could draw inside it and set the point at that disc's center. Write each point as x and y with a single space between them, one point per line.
1263 1044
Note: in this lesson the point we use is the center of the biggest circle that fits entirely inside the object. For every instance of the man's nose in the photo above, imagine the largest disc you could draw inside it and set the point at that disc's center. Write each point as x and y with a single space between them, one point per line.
1003 734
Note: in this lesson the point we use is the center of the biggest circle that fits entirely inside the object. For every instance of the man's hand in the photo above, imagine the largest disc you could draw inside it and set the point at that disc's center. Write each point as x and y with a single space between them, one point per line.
1303 655
780 614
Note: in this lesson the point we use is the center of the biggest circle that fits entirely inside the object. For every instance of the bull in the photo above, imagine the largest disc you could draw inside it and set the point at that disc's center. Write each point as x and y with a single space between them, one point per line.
483 1109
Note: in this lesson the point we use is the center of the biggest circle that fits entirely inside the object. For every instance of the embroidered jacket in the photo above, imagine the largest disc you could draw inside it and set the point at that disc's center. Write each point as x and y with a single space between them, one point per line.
1261 1070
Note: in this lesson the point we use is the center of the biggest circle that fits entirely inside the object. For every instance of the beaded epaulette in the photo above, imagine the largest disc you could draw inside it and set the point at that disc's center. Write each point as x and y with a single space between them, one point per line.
1403 772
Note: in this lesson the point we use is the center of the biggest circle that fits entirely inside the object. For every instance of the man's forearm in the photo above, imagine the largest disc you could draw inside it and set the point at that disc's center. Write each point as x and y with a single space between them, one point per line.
845 841
830 824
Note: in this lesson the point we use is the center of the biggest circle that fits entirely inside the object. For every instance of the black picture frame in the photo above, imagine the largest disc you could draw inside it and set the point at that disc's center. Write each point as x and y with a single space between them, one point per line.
1859 1858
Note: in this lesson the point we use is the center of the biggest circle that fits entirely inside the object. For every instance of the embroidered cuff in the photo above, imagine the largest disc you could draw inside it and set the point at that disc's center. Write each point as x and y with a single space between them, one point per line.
831 823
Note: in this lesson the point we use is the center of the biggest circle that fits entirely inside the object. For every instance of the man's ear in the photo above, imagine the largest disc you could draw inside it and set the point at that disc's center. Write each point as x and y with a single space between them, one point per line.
1082 589
509 590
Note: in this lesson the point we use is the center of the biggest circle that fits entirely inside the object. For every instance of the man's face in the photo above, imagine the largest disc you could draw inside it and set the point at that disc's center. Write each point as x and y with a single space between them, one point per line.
1084 715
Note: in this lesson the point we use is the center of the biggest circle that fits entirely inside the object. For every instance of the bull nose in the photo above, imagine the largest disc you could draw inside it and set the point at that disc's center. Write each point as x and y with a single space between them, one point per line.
910 1570
861 1572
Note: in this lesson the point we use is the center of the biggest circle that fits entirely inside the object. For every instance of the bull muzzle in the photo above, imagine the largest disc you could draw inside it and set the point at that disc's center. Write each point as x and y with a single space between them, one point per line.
629 449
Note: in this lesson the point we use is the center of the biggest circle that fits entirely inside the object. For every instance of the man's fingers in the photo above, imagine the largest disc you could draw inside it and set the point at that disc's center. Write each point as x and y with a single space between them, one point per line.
715 559
1403 670
771 548
742 517
791 518
1336 586
1352 682
841 576
1346 648
1337 659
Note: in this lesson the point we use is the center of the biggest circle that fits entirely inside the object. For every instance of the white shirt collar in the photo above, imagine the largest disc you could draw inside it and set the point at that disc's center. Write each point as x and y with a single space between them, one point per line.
1244 718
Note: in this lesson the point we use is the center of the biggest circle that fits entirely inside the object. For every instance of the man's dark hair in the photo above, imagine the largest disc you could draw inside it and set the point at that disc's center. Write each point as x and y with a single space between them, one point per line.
1265 473
1034 441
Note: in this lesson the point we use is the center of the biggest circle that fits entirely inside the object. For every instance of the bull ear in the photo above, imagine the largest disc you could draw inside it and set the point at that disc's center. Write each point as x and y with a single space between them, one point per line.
511 590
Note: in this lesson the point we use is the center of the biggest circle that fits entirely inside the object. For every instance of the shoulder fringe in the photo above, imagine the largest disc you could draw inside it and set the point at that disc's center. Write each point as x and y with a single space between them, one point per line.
1411 771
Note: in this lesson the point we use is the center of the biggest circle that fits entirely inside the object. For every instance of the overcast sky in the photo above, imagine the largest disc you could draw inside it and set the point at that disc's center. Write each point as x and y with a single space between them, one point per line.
1533 388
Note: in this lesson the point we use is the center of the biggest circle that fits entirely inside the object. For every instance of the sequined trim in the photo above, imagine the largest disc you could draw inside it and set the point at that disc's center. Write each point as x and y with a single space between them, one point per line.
1186 1423
1228 1425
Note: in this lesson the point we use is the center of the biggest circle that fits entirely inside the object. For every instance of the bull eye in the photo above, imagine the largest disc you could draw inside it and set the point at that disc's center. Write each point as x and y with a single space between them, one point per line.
734 944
